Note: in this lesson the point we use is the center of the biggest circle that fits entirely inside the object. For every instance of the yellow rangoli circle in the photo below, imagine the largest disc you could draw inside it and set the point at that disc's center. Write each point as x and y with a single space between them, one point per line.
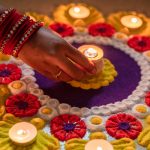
102 79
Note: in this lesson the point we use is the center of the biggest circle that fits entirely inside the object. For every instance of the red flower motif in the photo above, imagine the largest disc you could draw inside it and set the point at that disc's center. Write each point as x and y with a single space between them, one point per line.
101 29
147 99
139 43
62 29
123 125
9 73
22 105
65 127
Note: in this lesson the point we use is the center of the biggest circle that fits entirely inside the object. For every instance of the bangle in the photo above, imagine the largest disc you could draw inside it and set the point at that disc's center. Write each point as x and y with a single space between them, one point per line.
4 15
15 39
6 27
26 36
10 34
16 29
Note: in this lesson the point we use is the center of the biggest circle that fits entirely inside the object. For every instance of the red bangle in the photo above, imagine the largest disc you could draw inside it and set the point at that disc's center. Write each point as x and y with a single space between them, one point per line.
8 49
3 23
26 36
16 29
6 27
4 15
11 32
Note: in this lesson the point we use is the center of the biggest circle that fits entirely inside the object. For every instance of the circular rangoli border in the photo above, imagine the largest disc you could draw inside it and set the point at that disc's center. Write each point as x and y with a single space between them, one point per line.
108 109
125 105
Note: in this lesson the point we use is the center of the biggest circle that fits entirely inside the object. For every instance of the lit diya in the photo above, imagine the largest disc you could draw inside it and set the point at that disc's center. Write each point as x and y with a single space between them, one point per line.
79 12
98 144
93 53
23 133
105 70
130 23
79 15
18 135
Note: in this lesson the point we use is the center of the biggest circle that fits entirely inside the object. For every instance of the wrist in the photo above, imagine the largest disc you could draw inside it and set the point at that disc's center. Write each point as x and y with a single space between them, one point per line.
32 42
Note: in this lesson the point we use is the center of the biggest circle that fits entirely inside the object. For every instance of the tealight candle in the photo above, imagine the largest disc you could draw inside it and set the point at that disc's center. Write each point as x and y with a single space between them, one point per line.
23 133
79 12
93 53
98 144
131 21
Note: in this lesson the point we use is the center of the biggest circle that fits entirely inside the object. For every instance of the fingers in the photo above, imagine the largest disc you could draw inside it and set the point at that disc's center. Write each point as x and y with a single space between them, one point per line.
63 76
48 75
45 73
51 71
55 73
41 69
59 74
71 69
80 59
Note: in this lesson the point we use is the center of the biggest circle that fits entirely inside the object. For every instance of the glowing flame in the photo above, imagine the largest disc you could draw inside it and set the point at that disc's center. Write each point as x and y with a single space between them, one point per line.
99 148
21 132
134 20
77 9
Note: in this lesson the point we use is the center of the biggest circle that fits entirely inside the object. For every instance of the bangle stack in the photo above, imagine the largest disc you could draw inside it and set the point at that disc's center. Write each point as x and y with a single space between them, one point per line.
16 29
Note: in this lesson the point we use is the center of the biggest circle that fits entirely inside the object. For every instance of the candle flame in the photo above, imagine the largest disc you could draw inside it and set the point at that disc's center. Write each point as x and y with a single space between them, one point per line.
90 52
99 148
77 9
91 49
134 20
21 132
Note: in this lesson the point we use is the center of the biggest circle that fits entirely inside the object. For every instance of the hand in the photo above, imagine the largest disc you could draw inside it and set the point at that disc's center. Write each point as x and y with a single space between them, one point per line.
53 57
